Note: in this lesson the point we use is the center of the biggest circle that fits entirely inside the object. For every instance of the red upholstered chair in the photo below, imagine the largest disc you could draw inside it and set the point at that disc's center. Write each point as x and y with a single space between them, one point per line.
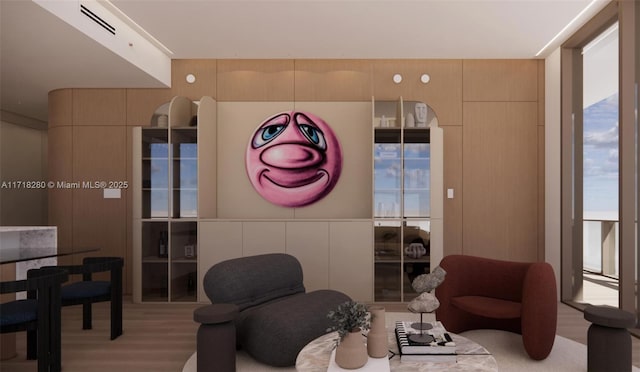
481 293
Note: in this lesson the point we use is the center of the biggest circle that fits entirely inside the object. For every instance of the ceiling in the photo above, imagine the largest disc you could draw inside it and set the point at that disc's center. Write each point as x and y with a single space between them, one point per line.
39 52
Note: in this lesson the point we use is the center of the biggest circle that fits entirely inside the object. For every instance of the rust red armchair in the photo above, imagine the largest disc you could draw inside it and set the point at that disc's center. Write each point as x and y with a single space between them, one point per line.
482 293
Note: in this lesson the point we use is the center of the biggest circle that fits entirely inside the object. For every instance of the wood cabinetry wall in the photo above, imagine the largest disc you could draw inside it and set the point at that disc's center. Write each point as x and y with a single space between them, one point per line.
492 113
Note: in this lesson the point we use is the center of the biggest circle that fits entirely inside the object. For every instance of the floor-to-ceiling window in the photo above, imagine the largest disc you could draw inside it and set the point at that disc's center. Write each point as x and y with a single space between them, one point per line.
600 195
600 169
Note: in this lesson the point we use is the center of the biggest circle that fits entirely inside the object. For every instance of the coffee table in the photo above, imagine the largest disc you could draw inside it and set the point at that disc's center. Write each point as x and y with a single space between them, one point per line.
471 356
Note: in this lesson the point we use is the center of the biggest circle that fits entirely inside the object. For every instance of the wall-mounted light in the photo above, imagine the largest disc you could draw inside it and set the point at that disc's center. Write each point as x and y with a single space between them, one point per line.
190 78
425 78
397 78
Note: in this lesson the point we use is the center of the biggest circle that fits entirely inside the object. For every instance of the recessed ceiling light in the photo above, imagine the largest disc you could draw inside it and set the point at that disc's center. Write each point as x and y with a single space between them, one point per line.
397 78
190 78
425 78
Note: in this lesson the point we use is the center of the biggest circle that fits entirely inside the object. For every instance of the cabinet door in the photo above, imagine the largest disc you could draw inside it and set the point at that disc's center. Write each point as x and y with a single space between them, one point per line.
217 241
351 258
309 243
263 237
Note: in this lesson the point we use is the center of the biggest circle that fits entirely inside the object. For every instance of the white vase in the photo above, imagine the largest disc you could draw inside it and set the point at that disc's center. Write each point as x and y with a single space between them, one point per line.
377 346
351 353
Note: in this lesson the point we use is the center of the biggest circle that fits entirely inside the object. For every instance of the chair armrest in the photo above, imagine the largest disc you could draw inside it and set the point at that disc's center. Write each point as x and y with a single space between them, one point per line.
539 309
215 313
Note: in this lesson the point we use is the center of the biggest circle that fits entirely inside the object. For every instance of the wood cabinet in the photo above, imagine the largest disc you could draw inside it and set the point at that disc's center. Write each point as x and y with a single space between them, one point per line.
334 254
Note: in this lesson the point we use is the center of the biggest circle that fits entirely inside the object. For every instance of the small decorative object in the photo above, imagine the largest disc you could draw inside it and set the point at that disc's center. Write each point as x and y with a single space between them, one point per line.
162 244
415 250
349 319
377 338
384 122
189 251
426 302
421 115
163 121
409 121
429 282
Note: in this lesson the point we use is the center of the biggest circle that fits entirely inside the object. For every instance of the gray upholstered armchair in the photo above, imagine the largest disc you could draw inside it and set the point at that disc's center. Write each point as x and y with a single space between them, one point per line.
277 317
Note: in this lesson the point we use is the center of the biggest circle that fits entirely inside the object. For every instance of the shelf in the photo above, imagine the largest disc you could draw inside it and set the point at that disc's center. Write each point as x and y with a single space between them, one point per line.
183 260
155 259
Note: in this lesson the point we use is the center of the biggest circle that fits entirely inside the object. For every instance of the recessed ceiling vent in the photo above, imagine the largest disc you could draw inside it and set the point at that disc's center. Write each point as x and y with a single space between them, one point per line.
97 19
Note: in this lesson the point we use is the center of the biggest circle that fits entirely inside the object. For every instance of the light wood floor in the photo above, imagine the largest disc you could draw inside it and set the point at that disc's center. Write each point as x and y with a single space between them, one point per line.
161 337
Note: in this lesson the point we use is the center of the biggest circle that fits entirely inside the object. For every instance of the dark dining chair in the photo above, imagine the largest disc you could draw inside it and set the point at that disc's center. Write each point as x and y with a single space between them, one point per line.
38 315
89 291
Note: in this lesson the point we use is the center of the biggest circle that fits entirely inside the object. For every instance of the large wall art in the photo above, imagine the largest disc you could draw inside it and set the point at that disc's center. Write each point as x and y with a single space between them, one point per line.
293 159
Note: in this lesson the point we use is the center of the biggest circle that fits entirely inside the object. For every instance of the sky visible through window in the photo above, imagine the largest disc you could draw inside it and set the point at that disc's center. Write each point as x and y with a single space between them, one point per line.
601 159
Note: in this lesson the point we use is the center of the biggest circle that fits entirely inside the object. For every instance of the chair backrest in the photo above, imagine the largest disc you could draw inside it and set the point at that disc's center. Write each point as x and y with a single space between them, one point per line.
479 276
42 284
92 265
253 280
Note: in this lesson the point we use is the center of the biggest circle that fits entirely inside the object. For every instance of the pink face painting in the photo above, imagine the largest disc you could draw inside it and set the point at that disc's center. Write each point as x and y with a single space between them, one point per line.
294 159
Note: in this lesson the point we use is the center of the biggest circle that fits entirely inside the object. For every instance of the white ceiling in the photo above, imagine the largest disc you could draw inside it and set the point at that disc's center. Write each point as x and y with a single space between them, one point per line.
39 52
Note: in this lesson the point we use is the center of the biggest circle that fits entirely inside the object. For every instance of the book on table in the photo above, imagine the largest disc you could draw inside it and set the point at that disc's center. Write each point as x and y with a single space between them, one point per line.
438 345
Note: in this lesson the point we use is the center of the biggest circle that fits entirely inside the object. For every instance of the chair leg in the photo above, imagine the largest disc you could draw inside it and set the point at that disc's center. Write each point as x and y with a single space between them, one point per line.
116 316
55 343
86 316
32 344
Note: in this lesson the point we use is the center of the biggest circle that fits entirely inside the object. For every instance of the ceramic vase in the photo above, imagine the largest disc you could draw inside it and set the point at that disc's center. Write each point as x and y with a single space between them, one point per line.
351 353
377 338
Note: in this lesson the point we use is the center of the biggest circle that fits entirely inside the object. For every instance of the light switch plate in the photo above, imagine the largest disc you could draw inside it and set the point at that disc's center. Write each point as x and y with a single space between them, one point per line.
112 193
450 193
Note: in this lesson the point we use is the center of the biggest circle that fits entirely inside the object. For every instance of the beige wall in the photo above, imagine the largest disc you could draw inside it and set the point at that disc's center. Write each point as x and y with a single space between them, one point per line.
23 157
491 111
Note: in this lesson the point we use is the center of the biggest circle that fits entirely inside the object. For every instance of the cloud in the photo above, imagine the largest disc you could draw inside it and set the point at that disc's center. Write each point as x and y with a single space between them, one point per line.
606 139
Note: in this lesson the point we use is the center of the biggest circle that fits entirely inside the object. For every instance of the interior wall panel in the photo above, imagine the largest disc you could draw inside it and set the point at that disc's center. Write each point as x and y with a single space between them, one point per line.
333 80
60 160
255 80
541 89
60 107
500 80
142 103
443 92
217 241
205 72
309 243
500 180
351 259
99 222
453 180
99 106
541 194
260 237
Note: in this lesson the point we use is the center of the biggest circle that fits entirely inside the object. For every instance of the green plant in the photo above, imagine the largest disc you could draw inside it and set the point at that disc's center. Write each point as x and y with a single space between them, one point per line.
348 317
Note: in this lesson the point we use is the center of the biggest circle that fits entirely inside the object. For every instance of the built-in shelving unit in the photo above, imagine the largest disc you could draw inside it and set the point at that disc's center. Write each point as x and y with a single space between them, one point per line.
402 196
166 192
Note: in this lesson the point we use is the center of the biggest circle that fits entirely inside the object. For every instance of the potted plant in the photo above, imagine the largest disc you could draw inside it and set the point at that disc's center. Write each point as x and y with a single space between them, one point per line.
350 318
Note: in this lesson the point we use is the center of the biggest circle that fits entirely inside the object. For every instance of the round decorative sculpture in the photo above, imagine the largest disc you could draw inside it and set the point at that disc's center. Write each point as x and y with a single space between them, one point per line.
426 302
429 282
293 159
